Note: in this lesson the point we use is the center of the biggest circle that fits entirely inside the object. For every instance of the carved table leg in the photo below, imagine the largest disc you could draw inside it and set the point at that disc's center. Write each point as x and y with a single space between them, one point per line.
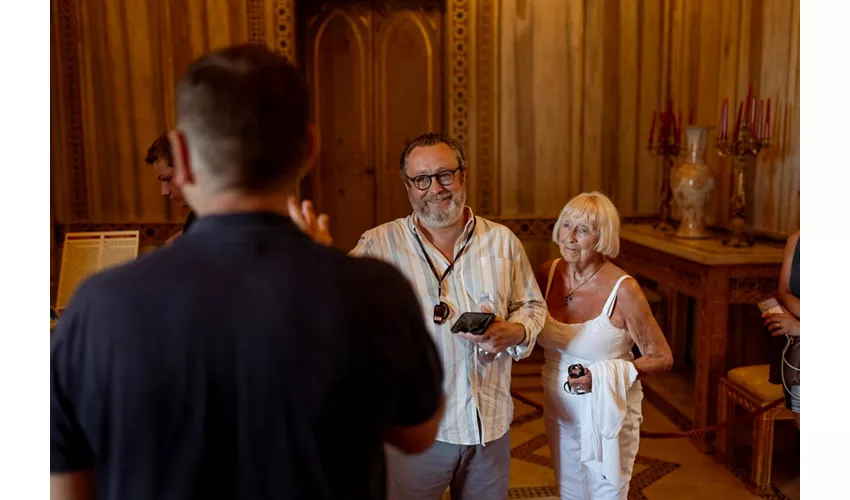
762 452
711 350
725 413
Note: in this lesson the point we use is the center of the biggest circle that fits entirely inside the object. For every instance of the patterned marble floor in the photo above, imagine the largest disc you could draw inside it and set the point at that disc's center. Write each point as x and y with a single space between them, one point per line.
664 469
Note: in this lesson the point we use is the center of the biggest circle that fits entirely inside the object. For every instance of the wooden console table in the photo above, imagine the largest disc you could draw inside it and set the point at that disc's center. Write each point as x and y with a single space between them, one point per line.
716 276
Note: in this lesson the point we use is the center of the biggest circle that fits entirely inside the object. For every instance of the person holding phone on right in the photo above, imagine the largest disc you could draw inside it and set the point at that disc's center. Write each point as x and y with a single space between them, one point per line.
788 323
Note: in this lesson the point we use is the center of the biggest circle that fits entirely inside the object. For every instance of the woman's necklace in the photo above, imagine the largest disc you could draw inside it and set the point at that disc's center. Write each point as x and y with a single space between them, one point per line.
570 295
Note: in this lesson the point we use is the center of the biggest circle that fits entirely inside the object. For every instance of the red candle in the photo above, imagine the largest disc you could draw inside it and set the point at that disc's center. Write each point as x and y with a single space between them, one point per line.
767 121
759 121
749 96
724 118
752 115
652 129
738 122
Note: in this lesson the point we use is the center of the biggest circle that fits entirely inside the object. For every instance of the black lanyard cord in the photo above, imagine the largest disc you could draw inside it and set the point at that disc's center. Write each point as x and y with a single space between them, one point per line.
452 265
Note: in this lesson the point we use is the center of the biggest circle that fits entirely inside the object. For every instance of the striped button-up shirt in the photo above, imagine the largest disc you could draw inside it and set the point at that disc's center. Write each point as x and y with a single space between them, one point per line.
494 263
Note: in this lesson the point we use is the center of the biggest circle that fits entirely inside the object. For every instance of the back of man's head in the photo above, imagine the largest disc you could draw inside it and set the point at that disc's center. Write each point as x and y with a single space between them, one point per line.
244 112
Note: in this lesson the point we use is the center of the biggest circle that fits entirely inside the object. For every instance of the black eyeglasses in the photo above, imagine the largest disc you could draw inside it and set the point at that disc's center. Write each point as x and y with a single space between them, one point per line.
423 182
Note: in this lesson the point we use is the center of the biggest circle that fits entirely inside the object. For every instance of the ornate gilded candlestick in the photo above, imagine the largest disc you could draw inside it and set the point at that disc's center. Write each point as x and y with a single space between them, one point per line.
748 140
667 146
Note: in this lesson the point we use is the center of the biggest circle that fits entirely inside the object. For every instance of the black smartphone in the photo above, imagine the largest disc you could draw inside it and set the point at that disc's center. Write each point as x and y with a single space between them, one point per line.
475 323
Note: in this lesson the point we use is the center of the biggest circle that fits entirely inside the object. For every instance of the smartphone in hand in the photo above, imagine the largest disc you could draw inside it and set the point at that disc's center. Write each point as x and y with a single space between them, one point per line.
475 323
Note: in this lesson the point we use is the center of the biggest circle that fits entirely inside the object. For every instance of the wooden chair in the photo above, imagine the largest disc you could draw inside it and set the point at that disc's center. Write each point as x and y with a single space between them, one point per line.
749 388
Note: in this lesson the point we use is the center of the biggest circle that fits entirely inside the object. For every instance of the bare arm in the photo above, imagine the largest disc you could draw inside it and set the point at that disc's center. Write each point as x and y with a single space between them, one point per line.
416 438
72 486
786 298
641 325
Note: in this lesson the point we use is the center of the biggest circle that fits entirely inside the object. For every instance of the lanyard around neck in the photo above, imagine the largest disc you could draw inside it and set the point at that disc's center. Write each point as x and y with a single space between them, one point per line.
452 264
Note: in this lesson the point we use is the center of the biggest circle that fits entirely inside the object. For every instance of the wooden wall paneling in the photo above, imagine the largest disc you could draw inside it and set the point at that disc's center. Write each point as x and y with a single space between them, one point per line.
777 171
59 194
513 29
576 68
409 99
629 120
339 69
730 35
790 199
594 95
518 125
117 66
652 14
609 161
544 179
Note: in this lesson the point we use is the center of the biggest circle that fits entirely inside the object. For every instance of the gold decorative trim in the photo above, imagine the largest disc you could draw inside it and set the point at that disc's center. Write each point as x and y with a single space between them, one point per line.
72 109
528 229
256 17
460 38
486 106
751 290
285 39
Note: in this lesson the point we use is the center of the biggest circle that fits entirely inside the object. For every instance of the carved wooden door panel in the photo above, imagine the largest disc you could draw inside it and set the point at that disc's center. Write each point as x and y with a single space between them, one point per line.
338 64
375 70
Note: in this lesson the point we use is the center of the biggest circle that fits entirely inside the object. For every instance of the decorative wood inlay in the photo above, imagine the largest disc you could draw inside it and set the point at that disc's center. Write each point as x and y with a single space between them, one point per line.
751 290
458 14
485 108
68 48
285 41
256 21
529 229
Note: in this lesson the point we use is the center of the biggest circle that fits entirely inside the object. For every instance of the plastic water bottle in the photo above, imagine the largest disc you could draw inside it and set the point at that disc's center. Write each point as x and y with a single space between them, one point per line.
485 303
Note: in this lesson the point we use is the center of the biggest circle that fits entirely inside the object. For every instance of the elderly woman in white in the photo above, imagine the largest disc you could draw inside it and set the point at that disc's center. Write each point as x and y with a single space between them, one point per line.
597 313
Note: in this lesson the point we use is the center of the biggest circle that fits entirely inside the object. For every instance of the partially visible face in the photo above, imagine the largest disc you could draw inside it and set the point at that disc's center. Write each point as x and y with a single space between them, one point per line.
438 206
165 176
577 239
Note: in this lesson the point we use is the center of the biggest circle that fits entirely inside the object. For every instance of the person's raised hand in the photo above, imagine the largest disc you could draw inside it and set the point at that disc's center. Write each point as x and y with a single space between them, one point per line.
305 218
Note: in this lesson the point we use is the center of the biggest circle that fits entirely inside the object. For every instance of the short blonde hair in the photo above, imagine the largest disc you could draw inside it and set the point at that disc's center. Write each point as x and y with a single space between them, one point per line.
599 212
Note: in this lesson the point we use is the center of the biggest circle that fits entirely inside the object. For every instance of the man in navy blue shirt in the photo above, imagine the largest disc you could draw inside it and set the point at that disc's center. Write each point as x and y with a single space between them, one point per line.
245 360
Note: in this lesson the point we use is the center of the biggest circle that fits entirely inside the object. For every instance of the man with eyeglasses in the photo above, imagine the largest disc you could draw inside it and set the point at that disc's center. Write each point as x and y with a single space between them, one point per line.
455 259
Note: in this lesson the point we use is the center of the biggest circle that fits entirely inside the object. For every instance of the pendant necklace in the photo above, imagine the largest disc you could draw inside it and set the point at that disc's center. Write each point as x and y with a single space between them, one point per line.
570 295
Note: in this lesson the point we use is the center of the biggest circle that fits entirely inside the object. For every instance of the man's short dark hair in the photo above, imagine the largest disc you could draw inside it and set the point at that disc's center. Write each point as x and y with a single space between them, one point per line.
432 139
160 149
245 112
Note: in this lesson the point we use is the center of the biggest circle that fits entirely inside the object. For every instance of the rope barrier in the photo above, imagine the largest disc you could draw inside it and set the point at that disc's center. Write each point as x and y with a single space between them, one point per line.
674 435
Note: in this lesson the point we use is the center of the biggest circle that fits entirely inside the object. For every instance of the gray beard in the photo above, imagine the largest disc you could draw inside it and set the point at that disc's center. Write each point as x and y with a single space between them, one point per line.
445 218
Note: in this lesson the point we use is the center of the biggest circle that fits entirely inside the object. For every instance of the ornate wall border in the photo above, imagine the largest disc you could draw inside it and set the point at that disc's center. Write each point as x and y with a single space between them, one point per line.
285 29
256 20
472 92
72 112
486 107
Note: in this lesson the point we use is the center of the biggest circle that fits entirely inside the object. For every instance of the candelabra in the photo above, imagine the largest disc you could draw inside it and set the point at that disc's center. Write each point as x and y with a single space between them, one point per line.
667 146
748 140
